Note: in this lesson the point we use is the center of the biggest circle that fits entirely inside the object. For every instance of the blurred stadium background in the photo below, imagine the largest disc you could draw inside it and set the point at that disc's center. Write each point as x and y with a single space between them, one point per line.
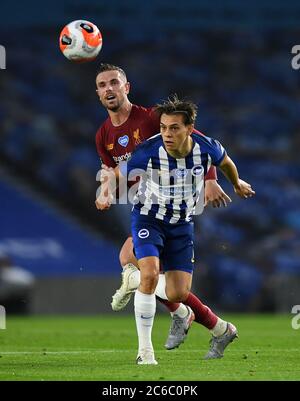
234 60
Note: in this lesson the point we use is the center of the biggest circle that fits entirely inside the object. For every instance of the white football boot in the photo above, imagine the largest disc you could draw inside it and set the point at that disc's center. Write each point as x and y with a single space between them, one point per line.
129 284
146 357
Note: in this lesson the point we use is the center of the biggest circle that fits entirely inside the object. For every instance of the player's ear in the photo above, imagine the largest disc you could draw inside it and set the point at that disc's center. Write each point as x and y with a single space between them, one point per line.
191 129
127 85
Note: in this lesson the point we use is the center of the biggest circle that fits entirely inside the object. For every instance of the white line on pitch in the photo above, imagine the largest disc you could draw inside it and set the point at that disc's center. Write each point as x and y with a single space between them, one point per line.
104 351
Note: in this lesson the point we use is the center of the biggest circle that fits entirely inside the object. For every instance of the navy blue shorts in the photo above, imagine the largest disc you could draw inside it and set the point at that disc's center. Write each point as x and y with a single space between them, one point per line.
172 243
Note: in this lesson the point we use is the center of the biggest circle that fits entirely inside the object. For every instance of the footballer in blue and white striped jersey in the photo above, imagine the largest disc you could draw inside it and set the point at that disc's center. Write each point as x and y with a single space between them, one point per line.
171 167
171 189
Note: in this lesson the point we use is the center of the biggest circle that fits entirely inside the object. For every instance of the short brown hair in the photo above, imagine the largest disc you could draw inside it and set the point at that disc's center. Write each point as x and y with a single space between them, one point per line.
110 67
176 106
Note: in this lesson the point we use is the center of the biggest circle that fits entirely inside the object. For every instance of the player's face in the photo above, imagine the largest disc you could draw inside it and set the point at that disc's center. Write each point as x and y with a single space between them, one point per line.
174 132
112 89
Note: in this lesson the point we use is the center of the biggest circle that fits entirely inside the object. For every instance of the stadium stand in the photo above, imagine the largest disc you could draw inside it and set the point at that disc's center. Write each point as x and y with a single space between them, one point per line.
235 65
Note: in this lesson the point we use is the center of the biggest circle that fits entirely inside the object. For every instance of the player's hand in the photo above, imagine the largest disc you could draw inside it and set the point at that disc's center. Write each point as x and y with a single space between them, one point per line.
215 195
104 201
107 188
244 190
102 205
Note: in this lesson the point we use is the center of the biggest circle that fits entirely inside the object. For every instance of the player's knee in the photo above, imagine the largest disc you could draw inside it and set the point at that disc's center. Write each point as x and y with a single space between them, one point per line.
177 295
149 280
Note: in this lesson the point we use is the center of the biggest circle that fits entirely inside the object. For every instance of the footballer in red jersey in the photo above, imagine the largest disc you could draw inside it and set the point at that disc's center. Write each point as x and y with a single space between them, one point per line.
126 127
116 143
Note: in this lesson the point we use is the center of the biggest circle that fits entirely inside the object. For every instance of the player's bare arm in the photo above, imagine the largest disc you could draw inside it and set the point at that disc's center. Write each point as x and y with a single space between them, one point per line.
241 188
109 182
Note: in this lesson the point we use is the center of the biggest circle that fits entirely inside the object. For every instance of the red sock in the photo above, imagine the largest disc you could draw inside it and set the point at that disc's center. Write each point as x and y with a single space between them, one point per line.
172 306
203 315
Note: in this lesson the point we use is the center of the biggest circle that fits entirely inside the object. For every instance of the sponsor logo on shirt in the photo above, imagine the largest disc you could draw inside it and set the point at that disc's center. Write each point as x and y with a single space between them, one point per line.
110 146
181 172
122 158
123 140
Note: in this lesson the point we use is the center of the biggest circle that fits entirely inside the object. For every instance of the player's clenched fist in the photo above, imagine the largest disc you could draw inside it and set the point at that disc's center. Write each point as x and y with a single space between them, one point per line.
103 202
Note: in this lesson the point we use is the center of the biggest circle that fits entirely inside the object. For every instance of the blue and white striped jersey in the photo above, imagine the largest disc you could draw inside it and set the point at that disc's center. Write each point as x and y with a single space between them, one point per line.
169 188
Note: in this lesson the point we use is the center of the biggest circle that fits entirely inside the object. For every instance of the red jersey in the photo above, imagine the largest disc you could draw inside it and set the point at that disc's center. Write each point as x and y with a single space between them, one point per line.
115 144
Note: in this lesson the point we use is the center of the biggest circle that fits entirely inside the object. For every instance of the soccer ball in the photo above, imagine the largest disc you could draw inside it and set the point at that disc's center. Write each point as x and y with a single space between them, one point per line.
80 41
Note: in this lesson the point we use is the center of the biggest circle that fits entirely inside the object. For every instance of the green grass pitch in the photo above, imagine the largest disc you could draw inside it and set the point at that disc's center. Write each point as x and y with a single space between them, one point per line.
104 348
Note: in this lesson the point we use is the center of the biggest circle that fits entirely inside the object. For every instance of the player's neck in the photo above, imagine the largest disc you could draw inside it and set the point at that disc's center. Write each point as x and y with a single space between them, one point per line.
121 116
184 150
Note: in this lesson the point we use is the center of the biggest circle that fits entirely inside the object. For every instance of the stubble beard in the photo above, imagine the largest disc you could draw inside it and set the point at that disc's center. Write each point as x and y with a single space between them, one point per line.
115 108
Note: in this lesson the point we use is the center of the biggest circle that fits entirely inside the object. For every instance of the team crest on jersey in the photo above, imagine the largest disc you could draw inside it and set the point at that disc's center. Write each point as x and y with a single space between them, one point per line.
143 233
181 172
197 170
136 136
123 140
